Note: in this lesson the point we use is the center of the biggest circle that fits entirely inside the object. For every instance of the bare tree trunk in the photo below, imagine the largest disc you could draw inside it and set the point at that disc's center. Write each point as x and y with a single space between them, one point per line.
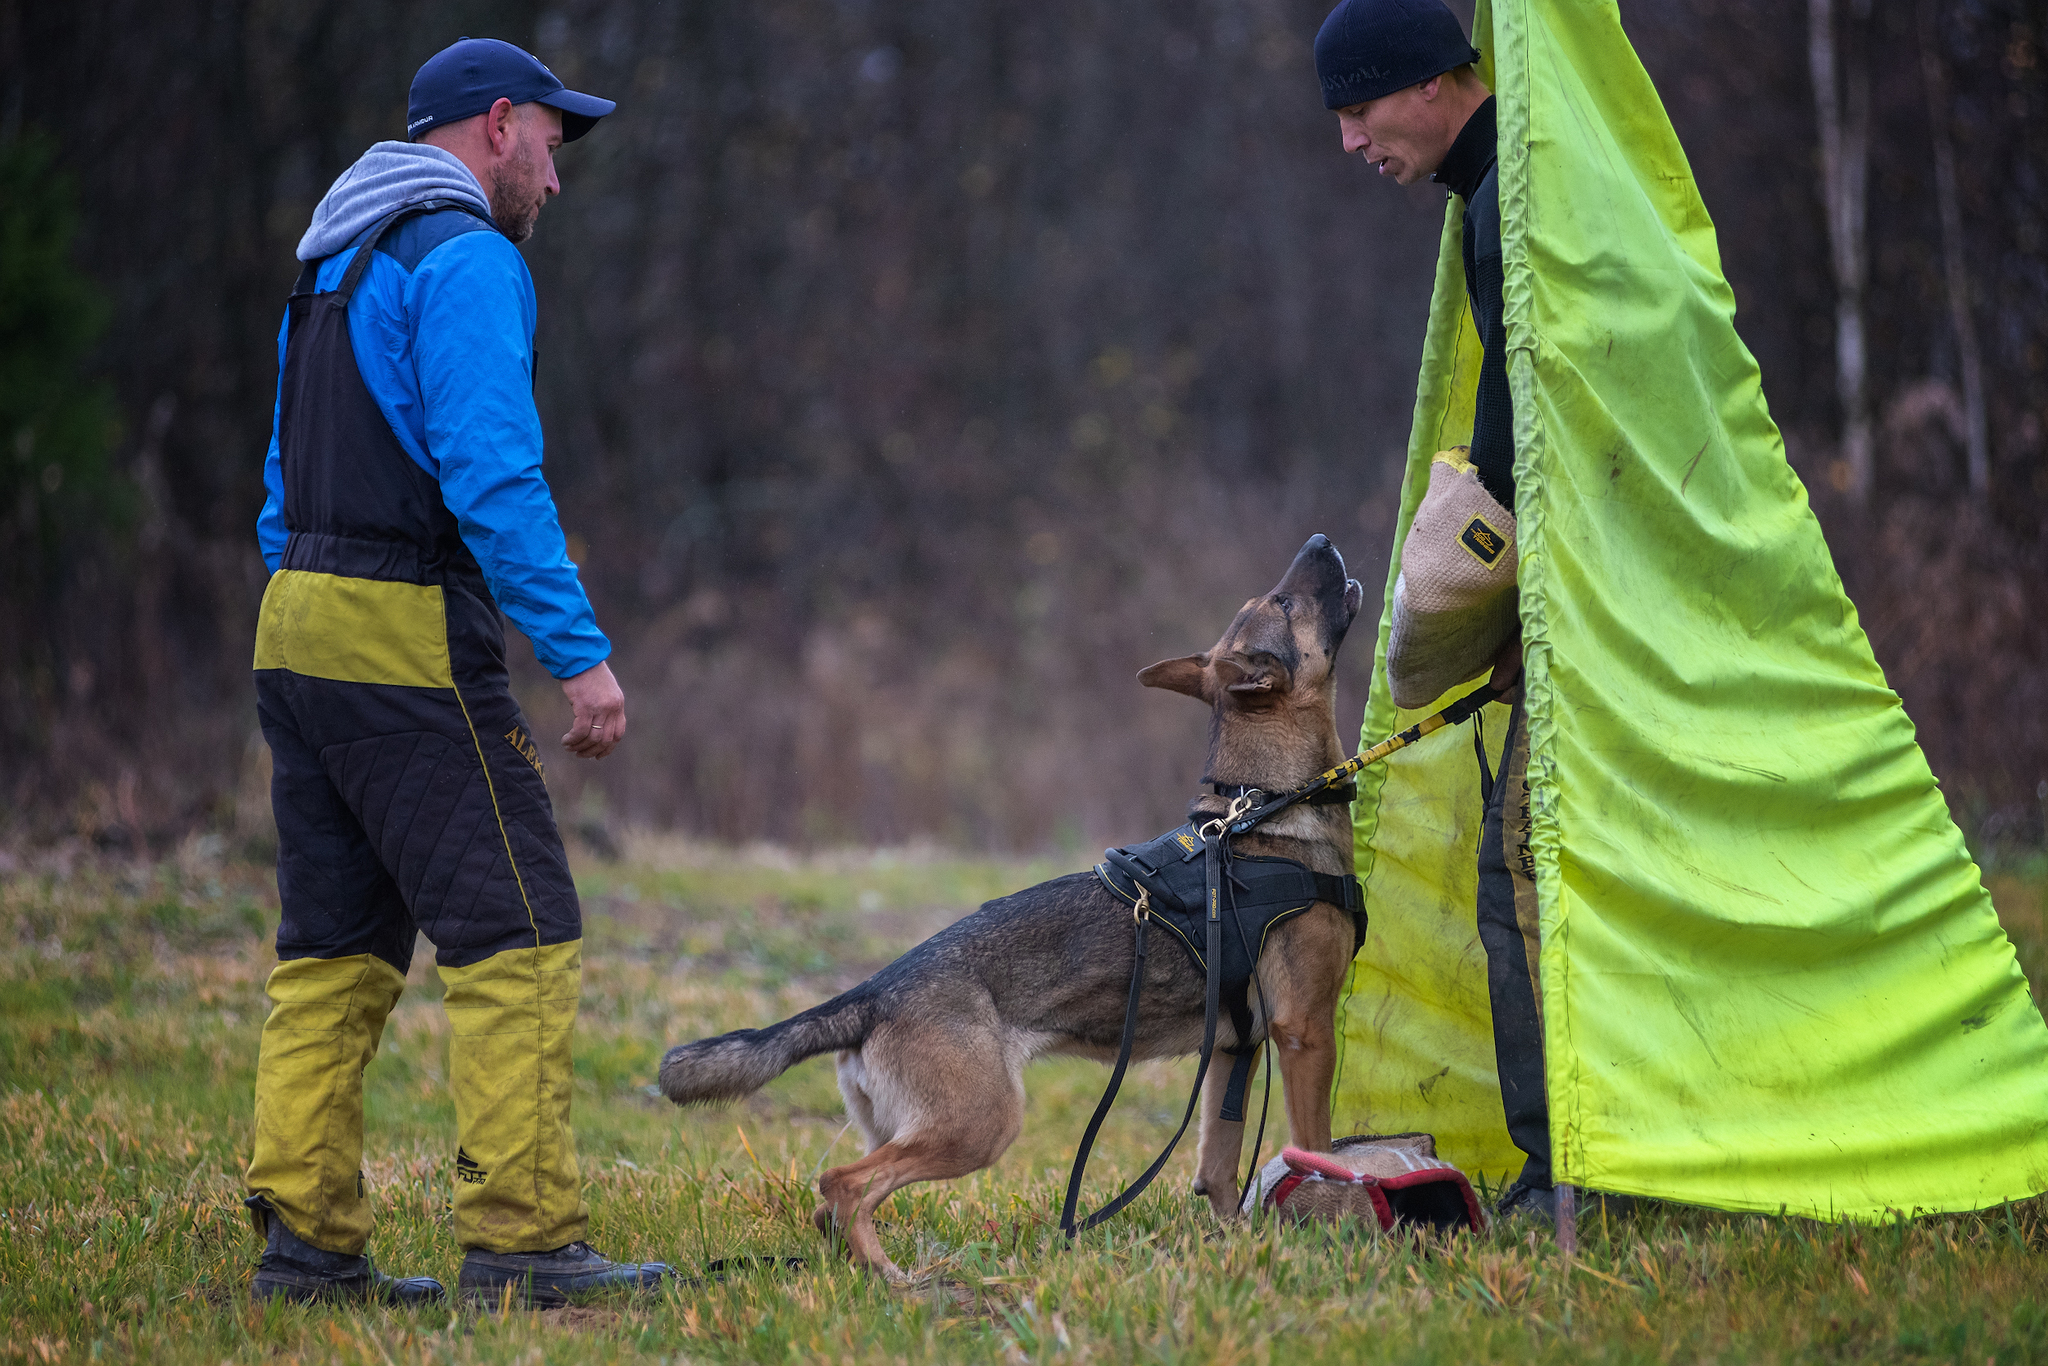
1841 93
1935 79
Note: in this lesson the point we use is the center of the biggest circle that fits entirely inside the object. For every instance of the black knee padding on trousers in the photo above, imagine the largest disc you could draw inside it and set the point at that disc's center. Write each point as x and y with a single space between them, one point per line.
403 808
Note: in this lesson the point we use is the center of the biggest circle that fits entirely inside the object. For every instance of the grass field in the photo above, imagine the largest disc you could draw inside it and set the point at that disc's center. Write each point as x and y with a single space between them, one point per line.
130 1002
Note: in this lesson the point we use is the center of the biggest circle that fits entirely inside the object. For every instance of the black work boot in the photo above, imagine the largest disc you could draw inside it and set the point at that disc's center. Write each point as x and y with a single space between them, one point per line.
1526 1200
293 1269
547 1280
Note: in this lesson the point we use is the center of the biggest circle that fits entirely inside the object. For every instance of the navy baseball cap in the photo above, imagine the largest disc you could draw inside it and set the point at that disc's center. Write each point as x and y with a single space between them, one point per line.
468 77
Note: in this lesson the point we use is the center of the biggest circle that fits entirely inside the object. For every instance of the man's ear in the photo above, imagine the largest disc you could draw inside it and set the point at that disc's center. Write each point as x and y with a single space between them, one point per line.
501 125
1189 674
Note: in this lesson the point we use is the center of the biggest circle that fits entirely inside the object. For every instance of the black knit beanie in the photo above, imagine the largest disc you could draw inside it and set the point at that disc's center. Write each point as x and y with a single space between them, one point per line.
1370 48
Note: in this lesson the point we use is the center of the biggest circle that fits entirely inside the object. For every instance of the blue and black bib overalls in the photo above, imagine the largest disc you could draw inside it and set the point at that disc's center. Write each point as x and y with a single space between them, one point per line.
409 800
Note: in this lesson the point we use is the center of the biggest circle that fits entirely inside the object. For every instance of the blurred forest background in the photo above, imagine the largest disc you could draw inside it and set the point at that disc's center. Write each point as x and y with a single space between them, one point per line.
915 371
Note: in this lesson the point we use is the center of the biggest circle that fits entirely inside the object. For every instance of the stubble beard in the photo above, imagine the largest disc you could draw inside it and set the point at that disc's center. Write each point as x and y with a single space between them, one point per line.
516 196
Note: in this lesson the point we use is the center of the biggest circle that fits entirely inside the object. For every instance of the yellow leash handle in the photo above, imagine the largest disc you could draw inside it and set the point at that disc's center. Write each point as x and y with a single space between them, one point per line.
1459 710
1241 817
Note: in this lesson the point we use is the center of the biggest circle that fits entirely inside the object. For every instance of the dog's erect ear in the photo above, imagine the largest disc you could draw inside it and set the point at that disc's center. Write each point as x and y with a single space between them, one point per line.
1241 675
1189 674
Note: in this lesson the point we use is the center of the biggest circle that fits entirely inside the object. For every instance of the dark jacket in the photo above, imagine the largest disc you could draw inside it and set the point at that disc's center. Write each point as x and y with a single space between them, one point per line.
1470 170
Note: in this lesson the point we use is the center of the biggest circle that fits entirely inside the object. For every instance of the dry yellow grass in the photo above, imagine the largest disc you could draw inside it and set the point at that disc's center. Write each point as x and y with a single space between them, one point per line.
130 1000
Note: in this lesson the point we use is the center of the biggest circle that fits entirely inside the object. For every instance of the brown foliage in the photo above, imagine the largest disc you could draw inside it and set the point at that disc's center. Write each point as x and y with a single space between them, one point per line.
915 373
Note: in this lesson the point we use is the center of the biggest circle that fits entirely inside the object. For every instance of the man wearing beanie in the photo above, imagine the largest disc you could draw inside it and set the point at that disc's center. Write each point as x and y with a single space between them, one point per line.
405 511
1399 75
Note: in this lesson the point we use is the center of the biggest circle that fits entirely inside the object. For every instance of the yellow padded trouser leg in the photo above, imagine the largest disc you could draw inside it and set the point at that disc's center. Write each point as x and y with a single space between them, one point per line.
517 1187
326 1019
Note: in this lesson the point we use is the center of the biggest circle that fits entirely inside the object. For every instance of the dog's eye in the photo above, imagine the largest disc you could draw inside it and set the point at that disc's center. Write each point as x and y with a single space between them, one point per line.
1284 603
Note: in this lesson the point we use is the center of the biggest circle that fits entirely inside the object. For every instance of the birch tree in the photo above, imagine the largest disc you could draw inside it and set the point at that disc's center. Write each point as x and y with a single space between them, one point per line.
1841 94
1934 77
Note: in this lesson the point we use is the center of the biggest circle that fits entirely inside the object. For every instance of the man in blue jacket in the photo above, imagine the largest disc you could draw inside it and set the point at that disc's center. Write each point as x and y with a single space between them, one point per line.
405 510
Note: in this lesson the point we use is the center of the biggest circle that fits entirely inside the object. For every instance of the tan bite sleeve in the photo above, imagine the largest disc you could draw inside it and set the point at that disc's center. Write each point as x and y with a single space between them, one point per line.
1455 605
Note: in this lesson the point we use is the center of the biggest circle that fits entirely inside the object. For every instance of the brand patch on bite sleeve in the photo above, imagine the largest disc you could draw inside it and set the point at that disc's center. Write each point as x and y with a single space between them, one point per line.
1483 542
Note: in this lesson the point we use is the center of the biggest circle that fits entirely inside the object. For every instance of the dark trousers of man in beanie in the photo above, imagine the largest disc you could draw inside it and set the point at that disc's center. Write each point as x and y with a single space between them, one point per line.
1508 931
1507 889
1399 75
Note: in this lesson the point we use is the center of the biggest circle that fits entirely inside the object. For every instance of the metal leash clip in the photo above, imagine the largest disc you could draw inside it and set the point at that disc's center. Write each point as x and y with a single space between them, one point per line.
1246 801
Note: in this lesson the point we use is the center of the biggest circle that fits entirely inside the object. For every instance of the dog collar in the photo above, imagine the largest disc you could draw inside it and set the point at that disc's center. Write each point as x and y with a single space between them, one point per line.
1340 795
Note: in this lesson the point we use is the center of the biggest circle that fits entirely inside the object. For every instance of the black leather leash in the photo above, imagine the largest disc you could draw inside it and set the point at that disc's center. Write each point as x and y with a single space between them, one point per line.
1248 809
719 1269
1214 855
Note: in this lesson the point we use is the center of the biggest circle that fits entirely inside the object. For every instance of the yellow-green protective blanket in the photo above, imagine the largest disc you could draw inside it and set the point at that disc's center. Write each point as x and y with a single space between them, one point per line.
1770 974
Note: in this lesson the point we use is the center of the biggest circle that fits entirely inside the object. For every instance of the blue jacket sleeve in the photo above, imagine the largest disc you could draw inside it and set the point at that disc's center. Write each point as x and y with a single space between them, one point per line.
270 532
471 307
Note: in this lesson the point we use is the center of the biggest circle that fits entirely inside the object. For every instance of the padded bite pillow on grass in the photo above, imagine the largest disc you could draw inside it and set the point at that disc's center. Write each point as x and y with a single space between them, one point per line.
1454 602
1391 1179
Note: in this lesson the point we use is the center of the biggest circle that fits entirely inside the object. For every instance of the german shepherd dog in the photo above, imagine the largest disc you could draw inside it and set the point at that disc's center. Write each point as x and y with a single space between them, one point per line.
932 1048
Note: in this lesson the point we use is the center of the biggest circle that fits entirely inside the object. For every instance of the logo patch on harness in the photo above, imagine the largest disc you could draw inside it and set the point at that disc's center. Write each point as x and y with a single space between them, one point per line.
1186 841
467 1171
1483 542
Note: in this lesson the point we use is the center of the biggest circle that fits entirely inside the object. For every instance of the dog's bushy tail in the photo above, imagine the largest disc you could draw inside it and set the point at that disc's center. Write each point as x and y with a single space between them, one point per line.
742 1062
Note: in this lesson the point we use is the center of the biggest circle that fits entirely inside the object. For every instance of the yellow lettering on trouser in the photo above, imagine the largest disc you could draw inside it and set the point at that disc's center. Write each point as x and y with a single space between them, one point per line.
508 1064
325 1022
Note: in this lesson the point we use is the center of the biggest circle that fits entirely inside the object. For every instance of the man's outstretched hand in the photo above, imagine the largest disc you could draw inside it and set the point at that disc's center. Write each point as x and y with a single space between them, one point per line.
600 713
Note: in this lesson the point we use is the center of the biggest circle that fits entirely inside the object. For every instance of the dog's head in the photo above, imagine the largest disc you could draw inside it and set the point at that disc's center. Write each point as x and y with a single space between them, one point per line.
1280 649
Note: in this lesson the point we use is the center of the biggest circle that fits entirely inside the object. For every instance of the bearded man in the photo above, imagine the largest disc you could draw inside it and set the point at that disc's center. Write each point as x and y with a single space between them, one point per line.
405 510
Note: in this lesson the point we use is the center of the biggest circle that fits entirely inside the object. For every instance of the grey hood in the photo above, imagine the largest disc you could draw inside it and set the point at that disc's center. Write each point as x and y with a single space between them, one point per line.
388 176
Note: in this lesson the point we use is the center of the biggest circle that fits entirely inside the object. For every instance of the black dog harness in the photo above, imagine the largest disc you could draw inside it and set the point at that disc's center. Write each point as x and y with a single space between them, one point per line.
1168 875
1253 894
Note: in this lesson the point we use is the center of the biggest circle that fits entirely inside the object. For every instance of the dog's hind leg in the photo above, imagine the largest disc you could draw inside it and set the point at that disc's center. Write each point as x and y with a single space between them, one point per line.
1221 1141
947 1101
853 1193
860 1112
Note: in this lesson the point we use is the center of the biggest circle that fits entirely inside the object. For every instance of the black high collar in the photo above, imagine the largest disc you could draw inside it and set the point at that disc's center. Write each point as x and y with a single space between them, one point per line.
1474 151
